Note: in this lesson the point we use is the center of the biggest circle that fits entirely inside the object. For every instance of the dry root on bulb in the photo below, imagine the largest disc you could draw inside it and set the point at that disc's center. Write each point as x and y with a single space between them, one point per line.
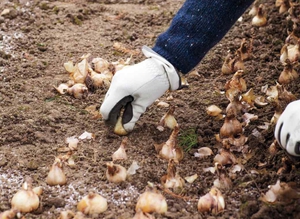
172 180
115 173
168 120
25 200
170 149
150 202
120 154
56 175
92 204
212 202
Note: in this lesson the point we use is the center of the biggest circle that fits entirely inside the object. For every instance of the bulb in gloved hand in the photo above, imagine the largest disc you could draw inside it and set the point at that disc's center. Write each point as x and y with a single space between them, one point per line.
119 129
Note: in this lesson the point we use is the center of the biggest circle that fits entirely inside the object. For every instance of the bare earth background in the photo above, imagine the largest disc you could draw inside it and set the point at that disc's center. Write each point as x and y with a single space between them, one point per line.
37 37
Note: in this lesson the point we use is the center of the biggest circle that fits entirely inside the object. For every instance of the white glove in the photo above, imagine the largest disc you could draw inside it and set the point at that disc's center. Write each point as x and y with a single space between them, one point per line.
287 130
138 86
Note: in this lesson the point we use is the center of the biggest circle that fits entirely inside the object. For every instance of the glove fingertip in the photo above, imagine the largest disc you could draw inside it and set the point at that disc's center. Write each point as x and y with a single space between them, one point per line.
129 126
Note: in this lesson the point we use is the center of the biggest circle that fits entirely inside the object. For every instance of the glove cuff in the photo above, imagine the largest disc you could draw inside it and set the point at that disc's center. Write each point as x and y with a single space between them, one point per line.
172 74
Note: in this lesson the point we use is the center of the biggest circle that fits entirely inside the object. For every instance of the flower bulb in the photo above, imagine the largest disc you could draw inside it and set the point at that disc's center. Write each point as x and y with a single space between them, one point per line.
152 201
170 149
56 176
92 204
115 173
25 200
260 19
168 120
78 90
120 154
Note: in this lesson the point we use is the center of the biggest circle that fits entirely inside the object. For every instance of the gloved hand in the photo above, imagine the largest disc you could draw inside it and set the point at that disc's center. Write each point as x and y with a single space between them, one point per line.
287 130
138 86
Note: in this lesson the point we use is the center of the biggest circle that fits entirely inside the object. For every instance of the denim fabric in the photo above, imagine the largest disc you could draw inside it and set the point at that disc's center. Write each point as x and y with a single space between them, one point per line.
196 28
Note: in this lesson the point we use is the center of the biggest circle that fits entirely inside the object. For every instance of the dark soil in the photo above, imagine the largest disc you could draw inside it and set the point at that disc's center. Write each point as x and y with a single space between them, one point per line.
37 37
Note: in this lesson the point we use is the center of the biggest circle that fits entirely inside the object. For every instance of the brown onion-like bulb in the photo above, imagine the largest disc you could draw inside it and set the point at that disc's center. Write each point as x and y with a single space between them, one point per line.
152 201
92 204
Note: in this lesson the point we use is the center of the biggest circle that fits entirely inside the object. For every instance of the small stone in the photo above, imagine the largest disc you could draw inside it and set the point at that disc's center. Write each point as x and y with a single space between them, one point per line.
5 12
57 202
32 165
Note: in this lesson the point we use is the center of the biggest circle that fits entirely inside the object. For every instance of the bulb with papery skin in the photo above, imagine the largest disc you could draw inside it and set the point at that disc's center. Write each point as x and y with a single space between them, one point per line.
260 19
120 154
56 175
92 204
212 202
152 201
168 120
115 173
25 200
170 149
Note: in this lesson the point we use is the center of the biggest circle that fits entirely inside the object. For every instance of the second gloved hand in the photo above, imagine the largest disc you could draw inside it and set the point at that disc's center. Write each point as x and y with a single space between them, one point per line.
287 130
136 87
